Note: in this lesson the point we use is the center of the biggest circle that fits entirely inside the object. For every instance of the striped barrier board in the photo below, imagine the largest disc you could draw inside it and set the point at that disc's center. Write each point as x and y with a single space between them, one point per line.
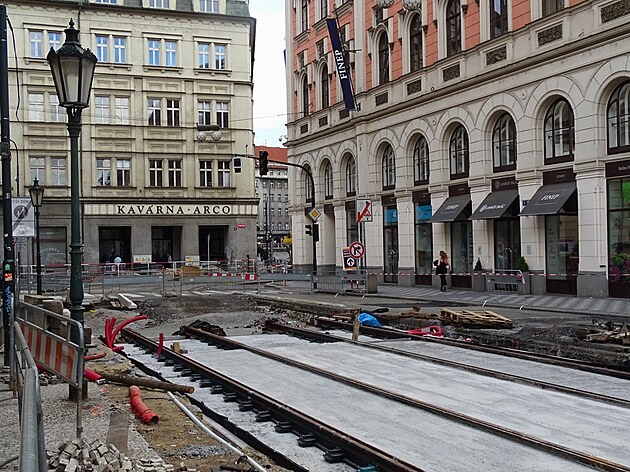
250 276
225 274
52 352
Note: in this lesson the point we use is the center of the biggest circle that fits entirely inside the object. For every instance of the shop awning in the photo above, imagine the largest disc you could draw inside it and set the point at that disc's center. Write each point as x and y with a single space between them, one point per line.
451 209
549 199
495 205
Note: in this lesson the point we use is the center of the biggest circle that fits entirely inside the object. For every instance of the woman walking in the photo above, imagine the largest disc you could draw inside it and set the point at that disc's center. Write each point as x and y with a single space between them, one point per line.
442 270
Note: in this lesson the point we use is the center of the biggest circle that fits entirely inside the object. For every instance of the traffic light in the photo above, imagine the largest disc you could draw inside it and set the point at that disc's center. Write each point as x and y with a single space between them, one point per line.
316 232
309 230
263 162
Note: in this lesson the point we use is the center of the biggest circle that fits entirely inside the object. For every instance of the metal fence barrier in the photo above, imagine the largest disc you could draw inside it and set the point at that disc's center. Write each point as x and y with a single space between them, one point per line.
506 282
26 380
345 283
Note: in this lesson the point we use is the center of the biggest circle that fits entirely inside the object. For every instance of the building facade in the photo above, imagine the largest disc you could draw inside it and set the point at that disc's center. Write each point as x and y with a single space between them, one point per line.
496 131
153 183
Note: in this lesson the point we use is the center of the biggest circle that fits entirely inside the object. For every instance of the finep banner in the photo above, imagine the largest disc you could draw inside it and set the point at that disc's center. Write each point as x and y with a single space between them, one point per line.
342 68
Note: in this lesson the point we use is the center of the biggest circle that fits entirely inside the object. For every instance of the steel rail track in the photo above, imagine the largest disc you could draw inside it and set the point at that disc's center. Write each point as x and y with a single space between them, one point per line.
504 351
542 444
339 446
326 337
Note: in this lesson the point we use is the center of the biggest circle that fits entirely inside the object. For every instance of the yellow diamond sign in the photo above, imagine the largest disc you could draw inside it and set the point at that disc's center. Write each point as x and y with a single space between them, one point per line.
314 214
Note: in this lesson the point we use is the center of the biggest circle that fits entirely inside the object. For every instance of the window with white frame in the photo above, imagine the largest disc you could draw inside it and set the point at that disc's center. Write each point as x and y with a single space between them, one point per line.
103 172
453 27
219 57
222 114
421 161
209 6
174 173
158 3
389 168
111 2
36 106
324 87
498 18
170 49
102 46
54 40
101 109
305 96
123 172
504 143
204 109
56 112
38 169
122 110
551 6
308 183
153 48
204 55
328 181
58 171
559 132
459 153
303 15
415 43
155 172
383 59
323 9
618 114
154 109
120 50
172 112
36 39
223 174
205 173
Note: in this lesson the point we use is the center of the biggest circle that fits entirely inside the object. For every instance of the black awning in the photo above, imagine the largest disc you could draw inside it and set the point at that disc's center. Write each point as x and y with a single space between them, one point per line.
495 205
549 199
451 209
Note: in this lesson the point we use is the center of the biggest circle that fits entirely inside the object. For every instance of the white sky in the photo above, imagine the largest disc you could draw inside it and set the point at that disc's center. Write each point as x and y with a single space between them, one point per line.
269 72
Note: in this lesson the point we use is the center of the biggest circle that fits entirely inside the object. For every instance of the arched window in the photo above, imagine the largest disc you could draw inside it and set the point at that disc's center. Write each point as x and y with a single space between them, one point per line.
305 97
415 44
421 161
325 87
308 184
618 115
383 59
453 28
504 143
389 168
458 150
351 177
498 18
559 132
328 181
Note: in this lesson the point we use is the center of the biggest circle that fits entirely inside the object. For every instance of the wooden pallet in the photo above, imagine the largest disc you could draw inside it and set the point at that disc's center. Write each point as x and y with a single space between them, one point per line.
475 319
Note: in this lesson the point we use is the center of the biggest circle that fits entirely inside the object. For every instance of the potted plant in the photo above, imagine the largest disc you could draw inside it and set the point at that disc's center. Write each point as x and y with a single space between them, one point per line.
523 266
478 277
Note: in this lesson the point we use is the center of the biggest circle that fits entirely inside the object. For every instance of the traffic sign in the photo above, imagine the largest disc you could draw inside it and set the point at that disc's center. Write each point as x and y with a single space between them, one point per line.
349 262
357 250
364 210
314 214
23 217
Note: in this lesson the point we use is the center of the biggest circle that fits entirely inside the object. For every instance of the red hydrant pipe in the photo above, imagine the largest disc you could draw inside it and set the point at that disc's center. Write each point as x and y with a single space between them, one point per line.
140 409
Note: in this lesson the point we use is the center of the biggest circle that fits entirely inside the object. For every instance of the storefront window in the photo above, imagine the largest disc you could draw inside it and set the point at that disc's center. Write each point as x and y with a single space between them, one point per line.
562 246
352 227
53 247
390 247
619 236
424 240
461 247
507 243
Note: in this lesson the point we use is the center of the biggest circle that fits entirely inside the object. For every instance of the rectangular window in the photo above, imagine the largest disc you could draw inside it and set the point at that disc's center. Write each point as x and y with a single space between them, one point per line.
103 172
120 50
155 173
158 3
111 2
101 108
38 169
37 44
222 114
54 40
56 112
102 43
219 56
223 173
154 52
171 53
205 173
123 172
304 14
204 56
36 106
58 171
209 6
174 173
122 110
551 6
154 107
205 112
323 12
172 112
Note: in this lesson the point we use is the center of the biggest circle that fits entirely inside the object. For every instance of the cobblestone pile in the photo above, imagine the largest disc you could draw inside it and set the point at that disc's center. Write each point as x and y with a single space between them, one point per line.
96 456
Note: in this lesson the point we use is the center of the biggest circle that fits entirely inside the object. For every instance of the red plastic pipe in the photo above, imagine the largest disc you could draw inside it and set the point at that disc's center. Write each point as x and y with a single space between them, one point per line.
123 324
140 409
94 356
92 376
160 345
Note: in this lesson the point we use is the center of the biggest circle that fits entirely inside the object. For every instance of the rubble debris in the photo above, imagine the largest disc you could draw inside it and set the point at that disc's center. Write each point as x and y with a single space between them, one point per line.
82 455
608 332
475 319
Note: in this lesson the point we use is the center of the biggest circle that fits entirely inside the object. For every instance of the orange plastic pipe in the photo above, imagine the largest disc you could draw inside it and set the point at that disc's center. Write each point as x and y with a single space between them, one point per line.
140 409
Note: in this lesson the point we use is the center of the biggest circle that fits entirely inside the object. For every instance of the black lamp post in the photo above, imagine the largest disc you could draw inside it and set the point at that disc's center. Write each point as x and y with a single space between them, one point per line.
37 195
72 69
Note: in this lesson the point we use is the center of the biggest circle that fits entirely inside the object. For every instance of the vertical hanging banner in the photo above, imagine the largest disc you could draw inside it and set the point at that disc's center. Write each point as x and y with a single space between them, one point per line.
342 68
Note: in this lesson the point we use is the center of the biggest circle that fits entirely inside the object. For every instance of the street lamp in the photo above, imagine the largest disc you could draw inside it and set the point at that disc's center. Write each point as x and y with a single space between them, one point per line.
72 69
37 195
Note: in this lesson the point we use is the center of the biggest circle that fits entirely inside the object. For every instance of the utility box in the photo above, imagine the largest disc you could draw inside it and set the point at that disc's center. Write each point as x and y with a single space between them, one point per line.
371 283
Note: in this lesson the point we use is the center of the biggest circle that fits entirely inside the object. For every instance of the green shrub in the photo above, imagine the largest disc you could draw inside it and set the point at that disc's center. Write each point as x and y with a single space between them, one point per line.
522 264
478 267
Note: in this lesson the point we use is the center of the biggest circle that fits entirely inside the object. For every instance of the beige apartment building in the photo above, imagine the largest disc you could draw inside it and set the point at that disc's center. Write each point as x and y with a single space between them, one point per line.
494 131
153 182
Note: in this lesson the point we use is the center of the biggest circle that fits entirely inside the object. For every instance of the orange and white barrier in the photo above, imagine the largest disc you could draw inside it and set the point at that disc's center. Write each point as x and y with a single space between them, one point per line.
250 276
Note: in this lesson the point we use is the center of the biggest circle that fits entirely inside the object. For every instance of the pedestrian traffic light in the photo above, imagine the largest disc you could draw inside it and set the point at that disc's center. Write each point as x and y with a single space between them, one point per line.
309 230
263 162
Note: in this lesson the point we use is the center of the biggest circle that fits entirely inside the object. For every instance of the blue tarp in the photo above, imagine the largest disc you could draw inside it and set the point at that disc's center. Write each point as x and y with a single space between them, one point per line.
368 320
